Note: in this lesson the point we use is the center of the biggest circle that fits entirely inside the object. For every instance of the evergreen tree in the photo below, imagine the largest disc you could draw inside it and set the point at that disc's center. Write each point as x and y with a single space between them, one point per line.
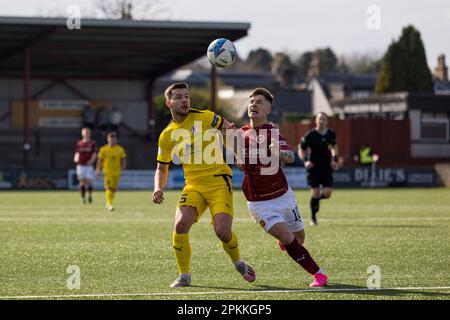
404 66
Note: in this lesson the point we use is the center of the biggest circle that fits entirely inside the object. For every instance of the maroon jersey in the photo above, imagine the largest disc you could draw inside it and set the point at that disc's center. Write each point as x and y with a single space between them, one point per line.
85 151
258 187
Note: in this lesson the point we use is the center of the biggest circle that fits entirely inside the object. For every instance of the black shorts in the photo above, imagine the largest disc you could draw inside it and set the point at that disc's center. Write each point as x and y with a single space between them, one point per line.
320 177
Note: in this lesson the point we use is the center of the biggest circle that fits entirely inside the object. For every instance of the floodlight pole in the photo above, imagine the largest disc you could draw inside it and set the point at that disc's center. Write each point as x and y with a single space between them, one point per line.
26 100
213 88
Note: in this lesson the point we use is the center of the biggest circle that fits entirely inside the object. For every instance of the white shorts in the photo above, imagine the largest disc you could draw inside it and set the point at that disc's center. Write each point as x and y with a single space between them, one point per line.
85 172
282 209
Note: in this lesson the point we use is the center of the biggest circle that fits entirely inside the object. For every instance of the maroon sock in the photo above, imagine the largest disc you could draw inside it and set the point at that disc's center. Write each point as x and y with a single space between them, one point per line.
90 189
300 255
82 191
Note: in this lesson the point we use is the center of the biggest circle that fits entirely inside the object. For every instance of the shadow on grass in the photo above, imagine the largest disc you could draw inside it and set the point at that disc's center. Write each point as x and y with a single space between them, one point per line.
334 288
387 226
340 288
231 289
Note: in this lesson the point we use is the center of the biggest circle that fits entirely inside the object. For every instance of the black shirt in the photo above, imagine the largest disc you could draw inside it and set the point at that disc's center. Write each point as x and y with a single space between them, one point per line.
320 146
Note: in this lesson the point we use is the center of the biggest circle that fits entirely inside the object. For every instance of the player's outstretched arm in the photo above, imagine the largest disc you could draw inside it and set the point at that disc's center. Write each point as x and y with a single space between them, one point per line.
227 125
161 174
285 156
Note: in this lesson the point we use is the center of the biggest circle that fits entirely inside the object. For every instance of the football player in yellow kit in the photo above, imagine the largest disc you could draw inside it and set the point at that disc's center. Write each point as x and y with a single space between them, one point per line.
207 183
111 159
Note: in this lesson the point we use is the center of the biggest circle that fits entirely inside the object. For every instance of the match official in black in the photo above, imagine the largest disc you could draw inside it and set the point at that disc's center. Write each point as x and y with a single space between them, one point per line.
319 152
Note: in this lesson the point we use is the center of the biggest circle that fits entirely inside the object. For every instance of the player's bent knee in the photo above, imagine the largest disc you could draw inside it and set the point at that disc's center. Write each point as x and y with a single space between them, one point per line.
223 233
286 238
315 193
184 221
182 226
222 226
327 195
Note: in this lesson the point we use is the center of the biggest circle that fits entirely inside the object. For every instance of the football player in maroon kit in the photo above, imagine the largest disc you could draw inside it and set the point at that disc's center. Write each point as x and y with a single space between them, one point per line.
270 200
85 156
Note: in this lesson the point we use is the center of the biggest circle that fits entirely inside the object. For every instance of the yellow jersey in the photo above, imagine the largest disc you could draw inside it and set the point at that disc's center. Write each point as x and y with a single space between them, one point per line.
194 145
111 157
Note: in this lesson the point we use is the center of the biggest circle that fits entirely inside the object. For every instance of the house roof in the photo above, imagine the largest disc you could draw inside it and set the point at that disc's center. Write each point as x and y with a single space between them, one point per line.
355 81
237 80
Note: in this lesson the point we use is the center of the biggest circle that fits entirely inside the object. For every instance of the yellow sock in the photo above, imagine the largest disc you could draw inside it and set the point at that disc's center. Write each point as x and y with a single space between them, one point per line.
108 197
232 248
182 250
111 196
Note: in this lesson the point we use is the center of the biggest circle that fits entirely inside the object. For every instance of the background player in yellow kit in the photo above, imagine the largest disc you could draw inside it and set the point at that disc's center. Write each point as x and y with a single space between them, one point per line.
206 185
111 159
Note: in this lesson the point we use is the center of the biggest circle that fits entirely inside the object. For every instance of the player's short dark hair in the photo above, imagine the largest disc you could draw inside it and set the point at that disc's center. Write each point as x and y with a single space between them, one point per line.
173 86
262 92
321 113
112 134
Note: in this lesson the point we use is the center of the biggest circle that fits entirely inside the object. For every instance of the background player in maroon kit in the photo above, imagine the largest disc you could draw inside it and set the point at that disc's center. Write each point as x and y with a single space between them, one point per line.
270 200
85 156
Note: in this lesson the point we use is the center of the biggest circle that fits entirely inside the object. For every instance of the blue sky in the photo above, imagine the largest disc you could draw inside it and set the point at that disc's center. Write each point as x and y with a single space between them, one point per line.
294 26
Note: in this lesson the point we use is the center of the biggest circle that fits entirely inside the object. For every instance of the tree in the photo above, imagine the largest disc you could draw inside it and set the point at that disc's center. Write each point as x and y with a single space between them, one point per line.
132 9
392 76
361 63
404 66
303 62
327 58
259 60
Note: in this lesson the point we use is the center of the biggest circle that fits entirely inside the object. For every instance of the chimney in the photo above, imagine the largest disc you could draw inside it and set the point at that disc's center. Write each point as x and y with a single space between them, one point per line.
282 69
441 71
314 66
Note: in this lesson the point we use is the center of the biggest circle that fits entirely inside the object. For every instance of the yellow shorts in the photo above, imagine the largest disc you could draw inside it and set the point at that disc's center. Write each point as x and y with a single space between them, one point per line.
111 182
215 193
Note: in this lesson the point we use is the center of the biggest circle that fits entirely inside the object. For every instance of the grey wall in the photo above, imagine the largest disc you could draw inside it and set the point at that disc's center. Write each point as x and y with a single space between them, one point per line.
120 90
134 113
129 96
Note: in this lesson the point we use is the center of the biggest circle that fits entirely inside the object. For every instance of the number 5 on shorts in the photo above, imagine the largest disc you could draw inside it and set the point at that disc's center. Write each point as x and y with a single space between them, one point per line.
183 198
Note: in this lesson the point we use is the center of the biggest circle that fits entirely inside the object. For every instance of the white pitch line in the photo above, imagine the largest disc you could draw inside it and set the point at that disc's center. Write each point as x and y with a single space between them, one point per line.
153 294
150 220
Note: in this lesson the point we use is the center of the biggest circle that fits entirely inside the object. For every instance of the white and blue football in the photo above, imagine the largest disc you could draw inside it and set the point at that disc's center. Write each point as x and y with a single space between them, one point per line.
222 53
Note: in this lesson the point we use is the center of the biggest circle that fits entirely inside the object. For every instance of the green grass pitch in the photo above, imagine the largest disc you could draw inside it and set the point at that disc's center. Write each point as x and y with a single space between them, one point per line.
127 254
